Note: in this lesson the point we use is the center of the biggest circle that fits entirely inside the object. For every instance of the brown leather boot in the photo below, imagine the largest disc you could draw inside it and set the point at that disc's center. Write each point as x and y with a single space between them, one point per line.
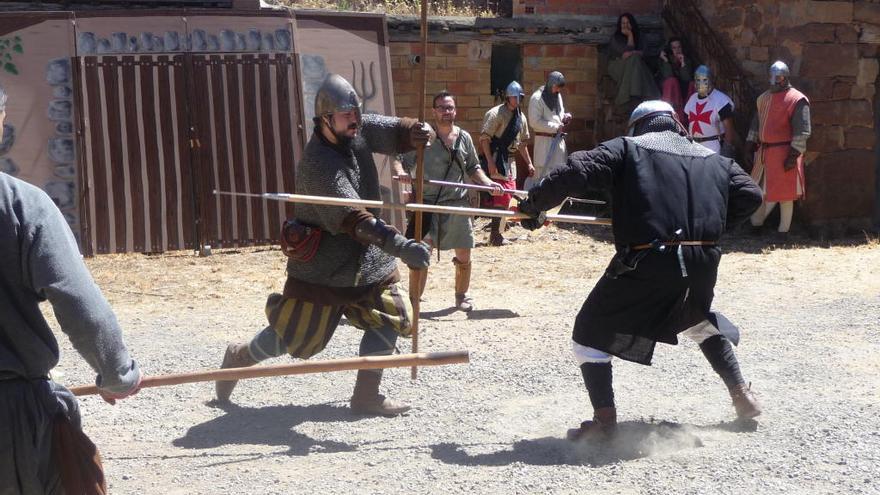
367 400
744 401
602 427
463 302
237 356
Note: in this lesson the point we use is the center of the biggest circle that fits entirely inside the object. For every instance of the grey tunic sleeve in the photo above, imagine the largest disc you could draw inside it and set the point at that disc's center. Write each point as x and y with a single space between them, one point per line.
383 134
753 129
800 126
55 271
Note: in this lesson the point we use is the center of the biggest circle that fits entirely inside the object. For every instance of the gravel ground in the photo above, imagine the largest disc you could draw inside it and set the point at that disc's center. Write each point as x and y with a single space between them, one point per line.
808 311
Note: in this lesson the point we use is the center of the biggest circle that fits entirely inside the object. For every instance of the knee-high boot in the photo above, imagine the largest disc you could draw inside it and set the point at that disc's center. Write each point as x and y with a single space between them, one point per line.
598 380
463 302
719 353
366 398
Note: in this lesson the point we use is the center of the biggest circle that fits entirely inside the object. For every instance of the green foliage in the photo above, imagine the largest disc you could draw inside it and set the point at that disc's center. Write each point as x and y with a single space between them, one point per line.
8 47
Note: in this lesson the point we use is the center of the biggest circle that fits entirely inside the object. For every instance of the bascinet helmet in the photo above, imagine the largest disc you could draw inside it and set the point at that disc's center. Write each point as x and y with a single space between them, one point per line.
645 114
336 95
514 89
779 69
703 81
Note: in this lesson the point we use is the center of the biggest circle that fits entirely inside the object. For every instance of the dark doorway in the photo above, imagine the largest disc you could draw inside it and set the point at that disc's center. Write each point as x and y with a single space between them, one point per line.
506 66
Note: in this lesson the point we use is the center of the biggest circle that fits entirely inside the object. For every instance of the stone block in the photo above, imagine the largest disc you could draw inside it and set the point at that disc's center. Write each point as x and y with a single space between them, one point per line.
820 60
576 50
531 50
759 53
532 62
486 101
842 112
860 138
846 33
840 185
866 12
467 101
841 90
826 138
555 50
810 33
868 70
399 48
863 92
450 48
831 12
816 89
401 75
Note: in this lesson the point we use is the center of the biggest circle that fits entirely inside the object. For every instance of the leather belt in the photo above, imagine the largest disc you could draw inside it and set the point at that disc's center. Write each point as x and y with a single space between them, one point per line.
771 145
545 134
642 247
704 139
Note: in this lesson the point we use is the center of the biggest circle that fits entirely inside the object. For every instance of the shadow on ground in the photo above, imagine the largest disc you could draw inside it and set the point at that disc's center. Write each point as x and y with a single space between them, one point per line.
270 425
635 440
477 314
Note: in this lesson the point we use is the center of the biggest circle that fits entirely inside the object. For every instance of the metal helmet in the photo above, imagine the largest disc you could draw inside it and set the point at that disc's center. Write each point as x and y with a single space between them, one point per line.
647 109
779 69
704 81
336 95
514 89
555 79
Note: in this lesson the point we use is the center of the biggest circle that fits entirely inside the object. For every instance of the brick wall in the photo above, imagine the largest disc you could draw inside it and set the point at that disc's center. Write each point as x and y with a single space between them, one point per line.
584 7
464 70
832 49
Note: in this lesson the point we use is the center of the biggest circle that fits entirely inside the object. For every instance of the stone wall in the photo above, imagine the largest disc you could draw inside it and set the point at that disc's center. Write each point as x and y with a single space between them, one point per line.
584 7
832 48
464 70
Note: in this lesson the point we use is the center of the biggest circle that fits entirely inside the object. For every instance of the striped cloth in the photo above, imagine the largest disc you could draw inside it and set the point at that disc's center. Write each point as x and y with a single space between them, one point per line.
305 328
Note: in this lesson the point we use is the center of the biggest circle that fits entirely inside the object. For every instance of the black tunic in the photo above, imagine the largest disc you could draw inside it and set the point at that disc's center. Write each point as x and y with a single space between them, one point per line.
660 182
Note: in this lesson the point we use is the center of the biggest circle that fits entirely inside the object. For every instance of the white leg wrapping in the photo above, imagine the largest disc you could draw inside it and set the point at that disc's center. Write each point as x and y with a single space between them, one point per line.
584 354
786 208
701 331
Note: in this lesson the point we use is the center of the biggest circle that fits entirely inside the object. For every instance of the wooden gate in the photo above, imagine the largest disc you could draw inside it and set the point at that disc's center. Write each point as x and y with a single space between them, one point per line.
161 132
243 110
134 154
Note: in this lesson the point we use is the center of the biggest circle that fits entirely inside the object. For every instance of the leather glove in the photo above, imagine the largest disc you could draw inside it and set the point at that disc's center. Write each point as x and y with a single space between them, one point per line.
537 217
749 158
791 159
371 230
421 134
412 252
536 222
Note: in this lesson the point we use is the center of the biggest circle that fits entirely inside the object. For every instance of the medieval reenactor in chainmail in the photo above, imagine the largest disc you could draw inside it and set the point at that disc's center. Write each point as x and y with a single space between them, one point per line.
672 200
341 259
43 449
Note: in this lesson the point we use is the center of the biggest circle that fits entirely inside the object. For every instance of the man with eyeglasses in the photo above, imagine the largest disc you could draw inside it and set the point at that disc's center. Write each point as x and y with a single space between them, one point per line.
452 157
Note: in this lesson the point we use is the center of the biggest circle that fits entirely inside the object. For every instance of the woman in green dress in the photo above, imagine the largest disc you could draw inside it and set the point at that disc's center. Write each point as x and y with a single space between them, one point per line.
626 65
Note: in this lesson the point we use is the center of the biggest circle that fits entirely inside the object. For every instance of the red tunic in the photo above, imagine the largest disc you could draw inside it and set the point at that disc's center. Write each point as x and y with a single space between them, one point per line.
774 132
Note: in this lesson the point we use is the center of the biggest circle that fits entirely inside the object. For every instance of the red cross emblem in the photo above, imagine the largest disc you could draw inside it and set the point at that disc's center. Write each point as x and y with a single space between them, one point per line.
700 116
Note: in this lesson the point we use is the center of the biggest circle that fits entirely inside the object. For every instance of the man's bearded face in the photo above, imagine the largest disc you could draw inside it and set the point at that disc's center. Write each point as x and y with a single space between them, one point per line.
345 126
444 111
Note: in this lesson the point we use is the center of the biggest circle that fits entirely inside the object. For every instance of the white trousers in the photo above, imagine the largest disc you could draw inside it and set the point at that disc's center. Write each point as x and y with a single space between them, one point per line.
583 354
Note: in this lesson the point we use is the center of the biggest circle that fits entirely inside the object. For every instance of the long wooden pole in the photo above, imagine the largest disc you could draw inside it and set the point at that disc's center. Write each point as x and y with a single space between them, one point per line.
479 187
360 363
451 210
415 276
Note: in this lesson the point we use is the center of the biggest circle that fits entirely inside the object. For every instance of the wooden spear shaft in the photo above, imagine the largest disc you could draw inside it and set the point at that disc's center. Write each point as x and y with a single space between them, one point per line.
415 276
451 210
360 363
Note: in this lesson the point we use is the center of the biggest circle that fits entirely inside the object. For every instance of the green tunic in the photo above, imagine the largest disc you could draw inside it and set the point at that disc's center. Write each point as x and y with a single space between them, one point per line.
451 165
